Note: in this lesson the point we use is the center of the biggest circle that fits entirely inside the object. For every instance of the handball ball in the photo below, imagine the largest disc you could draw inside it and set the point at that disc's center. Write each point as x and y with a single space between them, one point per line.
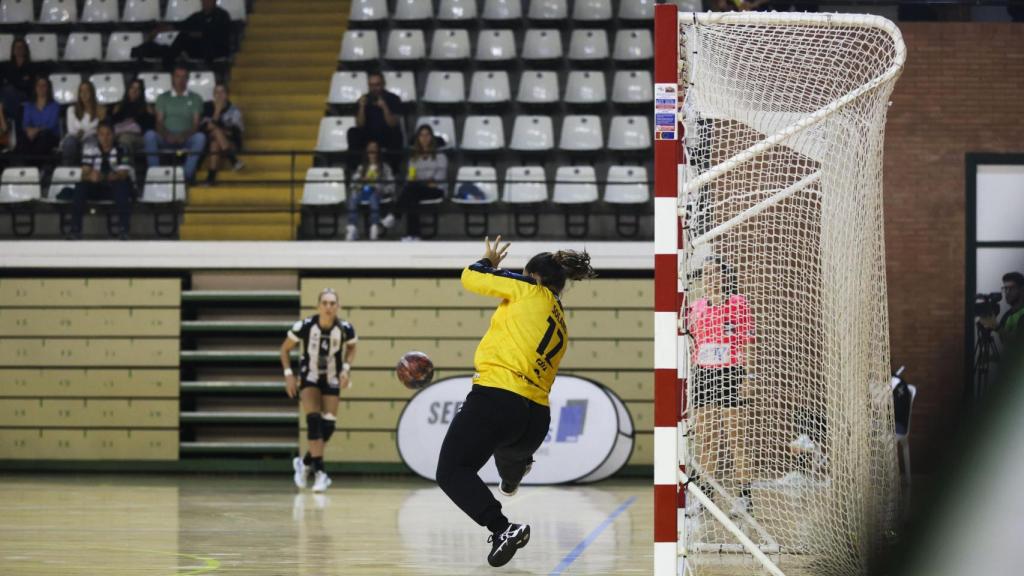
415 370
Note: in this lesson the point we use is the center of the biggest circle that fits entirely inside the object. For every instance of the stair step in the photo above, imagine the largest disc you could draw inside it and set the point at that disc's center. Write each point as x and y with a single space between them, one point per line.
308 87
310 32
226 231
239 218
237 296
239 448
210 387
276 102
242 74
229 356
279 177
290 417
310 8
228 197
234 326
302 43
256 163
282 144
285 58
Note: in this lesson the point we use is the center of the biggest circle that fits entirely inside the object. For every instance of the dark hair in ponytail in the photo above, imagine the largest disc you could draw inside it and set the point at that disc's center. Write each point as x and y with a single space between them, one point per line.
555 268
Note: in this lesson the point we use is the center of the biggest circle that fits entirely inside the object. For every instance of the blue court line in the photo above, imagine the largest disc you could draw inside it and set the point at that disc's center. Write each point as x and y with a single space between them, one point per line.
578 550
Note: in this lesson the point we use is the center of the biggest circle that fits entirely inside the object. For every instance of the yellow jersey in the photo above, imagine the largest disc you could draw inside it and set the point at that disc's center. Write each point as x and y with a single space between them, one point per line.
527 337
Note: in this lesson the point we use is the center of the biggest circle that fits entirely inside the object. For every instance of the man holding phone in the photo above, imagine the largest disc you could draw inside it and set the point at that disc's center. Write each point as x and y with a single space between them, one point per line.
378 119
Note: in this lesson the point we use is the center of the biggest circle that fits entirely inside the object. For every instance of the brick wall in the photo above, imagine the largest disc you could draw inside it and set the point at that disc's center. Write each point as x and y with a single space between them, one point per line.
961 91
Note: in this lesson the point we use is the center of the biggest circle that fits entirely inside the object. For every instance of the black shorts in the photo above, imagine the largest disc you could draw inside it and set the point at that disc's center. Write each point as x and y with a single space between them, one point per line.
325 388
718 387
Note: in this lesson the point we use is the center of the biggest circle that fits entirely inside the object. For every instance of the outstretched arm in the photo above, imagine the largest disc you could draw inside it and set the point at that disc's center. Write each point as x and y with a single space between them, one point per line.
484 277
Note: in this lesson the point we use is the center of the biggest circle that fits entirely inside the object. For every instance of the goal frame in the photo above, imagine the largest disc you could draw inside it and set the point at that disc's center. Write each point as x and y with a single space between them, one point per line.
671 481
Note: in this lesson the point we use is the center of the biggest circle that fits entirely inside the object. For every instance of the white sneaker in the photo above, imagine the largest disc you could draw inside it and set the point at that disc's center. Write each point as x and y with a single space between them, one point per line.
351 233
300 472
374 231
410 238
321 482
238 165
388 221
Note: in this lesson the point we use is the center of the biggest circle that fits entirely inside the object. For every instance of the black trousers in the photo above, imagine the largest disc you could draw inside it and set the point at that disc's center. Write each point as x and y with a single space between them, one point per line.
120 191
408 204
492 422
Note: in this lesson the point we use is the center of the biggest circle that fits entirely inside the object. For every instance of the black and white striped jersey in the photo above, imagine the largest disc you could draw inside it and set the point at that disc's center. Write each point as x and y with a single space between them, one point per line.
323 350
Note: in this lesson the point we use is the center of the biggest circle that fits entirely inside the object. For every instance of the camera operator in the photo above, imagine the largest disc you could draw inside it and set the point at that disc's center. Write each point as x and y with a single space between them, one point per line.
1011 326
378 119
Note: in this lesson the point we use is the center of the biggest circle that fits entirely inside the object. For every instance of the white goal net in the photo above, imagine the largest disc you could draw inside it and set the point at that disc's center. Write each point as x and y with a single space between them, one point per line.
788 428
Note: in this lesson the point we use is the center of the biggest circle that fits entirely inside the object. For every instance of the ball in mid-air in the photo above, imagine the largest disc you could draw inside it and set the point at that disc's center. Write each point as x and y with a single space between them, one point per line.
415 370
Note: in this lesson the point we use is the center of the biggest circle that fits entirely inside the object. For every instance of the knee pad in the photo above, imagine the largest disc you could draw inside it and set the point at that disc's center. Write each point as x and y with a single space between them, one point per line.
314 426
327 425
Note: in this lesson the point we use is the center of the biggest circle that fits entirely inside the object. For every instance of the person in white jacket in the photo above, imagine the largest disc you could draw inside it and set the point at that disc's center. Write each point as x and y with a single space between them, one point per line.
81 121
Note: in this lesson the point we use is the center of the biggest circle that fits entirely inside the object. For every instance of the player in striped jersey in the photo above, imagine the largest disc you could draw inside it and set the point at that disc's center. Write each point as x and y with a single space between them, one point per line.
506 413
328 346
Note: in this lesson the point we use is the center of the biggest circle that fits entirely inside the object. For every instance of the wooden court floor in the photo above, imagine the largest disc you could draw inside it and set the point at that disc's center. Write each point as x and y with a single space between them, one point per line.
71 525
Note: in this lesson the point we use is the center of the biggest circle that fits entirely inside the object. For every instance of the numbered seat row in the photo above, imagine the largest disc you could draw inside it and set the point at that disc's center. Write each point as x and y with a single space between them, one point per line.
360 47
487 87
530 133
455 12
65 12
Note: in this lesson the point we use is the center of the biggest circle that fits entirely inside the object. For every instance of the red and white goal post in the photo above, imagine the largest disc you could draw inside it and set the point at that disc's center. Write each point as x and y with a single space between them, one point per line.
773 447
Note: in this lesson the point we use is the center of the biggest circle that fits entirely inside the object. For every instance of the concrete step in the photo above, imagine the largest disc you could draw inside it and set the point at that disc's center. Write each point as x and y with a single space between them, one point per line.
304 102
286 89
233 232
330 45
279 59
251 196
242 74
239 218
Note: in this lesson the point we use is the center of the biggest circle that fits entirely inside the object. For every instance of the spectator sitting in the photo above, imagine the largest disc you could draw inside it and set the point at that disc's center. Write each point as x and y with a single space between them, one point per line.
81 121
378 118
19 74
132 117
428 180
5 132
373 180
205 35
40 122
222 122
177 124
106 175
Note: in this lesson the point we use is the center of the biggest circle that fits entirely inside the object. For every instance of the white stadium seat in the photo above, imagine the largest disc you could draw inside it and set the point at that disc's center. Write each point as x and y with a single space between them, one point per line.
588 45
525 185
58 12
548 10
402 84
405 45
359 46
99 12
120 44
581 133
496 46
632 87
445 88
235 8
179 10
65 88
633 45
43 47
333 135
450 44
593 10
538 87
543 44
532 134
16 11
156 84
637 10
627 185
489 87
5 46
164 185
63 177
483 177
324 187
20 184
141 11
347 87
368 11
502 10
202 82
457 11
110 87
83 47
483 134
575 185
585 87
413 10
629 133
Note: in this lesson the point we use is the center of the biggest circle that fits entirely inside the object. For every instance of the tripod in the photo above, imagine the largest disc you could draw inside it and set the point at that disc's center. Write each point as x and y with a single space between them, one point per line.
985 352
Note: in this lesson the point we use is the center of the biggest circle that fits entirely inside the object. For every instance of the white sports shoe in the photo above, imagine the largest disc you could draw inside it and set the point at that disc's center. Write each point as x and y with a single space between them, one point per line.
300 472
388 220
351 233
374 231
321 482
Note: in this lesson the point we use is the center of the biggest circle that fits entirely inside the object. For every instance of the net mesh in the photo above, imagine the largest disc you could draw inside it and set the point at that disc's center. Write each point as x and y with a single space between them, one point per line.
789 411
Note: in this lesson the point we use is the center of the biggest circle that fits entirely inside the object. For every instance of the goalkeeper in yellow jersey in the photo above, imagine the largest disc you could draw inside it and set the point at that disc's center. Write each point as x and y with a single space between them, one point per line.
506 413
